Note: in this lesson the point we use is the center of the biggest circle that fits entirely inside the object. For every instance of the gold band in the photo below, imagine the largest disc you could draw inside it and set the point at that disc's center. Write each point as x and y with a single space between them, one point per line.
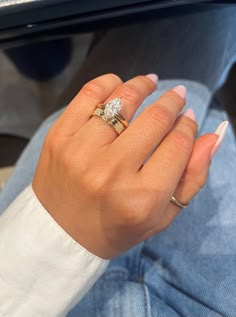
98 112
122 119
114 122
117 125
177 203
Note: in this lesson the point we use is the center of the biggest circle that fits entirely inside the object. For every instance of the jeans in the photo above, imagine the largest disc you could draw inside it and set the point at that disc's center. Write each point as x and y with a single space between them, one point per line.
196 43
189 269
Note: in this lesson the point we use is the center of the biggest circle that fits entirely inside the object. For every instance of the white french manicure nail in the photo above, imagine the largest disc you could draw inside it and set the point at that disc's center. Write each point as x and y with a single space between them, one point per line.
180 90
153 77
220 131
189 113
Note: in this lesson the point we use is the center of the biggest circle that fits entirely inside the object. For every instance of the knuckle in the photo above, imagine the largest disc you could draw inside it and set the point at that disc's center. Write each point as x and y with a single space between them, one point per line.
129 94
50 142
115 77
133 216
66 160
94 186
198 182
183 141
94 183
161 116
93 89
139 211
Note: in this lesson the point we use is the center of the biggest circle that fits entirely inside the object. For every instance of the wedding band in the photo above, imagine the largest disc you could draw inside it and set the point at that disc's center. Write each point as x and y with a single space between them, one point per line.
177 203
114 122
122 120
109 113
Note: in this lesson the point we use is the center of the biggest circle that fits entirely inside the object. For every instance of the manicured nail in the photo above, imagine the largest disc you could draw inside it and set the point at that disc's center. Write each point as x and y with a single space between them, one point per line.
220 131
153 77
190 114
180 90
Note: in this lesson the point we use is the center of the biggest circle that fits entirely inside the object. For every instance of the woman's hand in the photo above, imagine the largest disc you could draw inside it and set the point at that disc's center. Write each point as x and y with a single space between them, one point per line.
94 183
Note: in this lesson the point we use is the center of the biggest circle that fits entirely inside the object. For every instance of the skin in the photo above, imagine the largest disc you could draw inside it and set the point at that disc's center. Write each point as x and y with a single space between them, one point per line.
100 188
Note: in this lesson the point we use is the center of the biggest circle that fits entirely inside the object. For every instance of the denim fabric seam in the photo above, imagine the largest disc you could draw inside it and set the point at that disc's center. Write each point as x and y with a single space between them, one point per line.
117 273
148 313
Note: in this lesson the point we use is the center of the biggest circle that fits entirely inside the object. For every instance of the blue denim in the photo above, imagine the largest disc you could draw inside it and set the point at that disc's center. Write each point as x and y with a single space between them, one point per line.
189 269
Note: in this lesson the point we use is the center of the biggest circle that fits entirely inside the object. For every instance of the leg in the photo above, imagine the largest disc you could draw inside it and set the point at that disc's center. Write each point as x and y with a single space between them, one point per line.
185 270
135 284
191 266
120 292
198 44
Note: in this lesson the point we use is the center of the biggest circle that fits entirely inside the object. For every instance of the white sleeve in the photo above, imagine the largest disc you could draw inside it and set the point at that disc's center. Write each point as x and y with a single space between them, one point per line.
43 271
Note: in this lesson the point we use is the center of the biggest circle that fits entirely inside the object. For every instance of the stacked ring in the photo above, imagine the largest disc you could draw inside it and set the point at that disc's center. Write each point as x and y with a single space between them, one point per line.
109 113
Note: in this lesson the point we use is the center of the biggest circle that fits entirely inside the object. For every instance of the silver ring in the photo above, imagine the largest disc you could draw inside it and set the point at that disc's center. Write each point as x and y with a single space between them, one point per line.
177 203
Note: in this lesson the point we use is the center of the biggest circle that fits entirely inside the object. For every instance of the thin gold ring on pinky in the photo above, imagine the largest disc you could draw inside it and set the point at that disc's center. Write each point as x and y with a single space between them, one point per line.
177 203
109 112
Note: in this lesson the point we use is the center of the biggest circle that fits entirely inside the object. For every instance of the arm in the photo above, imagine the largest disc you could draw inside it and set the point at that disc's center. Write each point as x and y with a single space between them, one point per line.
43 271
90 192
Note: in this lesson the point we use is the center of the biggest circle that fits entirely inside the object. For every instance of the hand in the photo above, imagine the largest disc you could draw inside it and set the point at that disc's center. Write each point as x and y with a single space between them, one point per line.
96 185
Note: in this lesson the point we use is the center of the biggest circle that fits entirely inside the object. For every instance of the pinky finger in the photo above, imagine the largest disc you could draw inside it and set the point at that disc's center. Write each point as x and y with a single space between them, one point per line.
195 175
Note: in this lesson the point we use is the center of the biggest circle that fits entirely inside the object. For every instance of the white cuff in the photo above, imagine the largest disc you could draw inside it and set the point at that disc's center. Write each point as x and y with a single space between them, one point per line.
43 271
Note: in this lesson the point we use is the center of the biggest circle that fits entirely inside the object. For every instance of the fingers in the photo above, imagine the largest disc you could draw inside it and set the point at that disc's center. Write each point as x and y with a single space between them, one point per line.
82 106
133 93
150 127
196 172
193 178
169 160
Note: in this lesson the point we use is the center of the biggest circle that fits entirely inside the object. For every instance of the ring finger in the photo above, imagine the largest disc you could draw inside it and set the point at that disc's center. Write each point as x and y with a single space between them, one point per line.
132 93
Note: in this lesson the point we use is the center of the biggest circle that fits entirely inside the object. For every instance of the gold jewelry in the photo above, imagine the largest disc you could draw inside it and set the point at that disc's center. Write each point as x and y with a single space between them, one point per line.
177 203
117 125
122 120
114 122
109 113
98 112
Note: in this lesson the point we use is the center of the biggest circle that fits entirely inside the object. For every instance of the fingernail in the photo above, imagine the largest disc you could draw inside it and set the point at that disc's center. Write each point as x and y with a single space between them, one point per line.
190 114
180 90
220 131
153 77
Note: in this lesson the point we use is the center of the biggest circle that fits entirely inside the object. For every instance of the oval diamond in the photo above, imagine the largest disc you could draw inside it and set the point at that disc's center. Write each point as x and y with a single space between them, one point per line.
112 108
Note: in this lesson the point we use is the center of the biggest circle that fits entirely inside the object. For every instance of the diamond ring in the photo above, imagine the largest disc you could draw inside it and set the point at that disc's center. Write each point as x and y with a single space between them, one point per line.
109 112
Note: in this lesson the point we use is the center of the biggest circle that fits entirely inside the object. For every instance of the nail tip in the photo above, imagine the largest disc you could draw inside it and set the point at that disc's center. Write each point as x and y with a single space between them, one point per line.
189 113
154 77
180 90
220 131
222 126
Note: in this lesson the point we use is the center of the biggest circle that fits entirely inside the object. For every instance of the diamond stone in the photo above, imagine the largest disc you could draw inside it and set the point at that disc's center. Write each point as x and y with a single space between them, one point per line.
112 108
